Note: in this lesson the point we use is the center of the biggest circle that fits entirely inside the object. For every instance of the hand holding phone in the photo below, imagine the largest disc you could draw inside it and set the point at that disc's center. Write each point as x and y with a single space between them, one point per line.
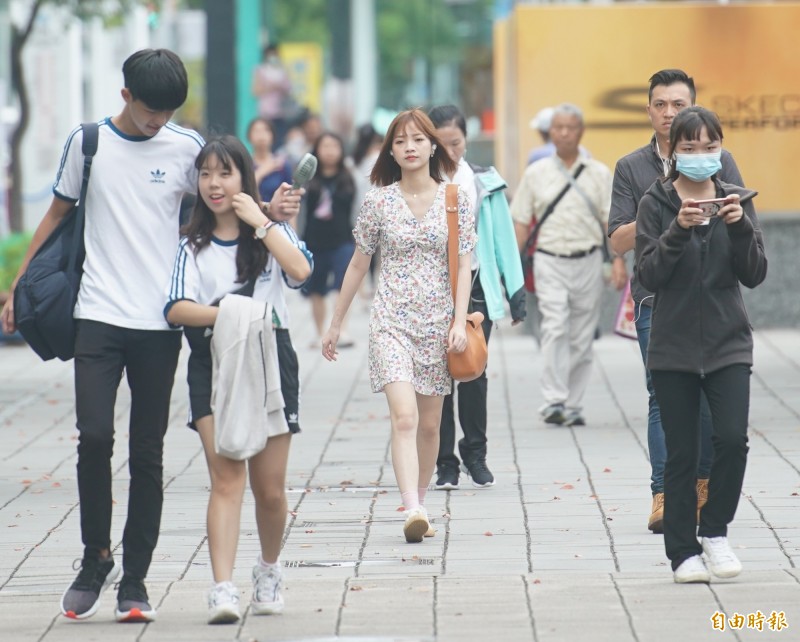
710 206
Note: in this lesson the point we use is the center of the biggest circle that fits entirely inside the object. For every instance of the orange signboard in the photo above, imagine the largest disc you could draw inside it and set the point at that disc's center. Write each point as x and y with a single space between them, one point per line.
745 59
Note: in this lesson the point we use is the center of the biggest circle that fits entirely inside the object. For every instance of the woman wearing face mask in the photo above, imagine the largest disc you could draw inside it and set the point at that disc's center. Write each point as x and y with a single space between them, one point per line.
693 257
495 262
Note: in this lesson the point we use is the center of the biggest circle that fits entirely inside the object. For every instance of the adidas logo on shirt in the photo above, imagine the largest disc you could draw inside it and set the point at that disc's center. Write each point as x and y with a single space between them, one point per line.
158 176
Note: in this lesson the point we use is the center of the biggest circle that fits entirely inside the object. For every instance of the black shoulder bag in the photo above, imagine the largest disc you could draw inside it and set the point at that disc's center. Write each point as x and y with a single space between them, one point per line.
530 245
45 295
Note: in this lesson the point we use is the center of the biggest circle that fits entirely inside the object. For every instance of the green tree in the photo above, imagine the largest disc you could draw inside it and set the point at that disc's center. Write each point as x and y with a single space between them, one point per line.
411 30
406 31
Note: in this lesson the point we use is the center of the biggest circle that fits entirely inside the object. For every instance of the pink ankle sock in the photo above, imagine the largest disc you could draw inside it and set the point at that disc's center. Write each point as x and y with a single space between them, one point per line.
410 499
422 492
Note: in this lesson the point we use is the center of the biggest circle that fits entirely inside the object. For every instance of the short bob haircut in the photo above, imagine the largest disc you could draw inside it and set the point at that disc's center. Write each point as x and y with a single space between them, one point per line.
256 121
688 124
386 170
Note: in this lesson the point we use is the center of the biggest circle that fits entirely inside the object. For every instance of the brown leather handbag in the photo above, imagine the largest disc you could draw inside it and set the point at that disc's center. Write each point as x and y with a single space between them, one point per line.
470 364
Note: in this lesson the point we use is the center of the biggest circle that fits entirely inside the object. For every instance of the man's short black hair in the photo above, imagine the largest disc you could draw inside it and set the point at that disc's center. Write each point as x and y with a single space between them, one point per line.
669 77
157 78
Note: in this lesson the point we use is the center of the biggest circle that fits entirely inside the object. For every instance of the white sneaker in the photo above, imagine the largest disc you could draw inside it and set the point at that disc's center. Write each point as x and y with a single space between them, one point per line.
267 584
721 559
691 570
223 604
416 525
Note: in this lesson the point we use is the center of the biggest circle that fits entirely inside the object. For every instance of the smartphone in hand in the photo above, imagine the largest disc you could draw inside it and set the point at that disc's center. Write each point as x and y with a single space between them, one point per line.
711 206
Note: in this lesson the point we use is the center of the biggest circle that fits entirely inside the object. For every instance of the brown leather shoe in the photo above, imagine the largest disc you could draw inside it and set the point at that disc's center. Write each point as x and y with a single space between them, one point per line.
702 495
656 521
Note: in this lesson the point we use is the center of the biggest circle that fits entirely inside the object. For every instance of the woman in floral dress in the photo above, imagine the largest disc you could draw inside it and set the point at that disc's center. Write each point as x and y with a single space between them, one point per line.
409 330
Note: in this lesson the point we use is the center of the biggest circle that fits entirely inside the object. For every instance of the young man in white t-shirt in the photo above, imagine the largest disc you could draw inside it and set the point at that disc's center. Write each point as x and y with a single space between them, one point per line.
143 166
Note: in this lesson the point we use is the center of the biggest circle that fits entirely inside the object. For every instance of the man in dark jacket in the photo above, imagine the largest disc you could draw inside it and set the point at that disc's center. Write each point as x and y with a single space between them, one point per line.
671 90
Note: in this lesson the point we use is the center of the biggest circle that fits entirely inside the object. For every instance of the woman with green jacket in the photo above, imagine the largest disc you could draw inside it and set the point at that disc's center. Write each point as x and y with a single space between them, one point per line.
495 268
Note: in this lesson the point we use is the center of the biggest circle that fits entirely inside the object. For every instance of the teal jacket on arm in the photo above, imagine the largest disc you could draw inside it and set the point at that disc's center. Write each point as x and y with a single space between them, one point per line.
497 252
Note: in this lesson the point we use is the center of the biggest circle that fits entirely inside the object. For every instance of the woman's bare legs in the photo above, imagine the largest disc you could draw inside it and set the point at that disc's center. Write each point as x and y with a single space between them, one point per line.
224 513
415 435
318 311
268 483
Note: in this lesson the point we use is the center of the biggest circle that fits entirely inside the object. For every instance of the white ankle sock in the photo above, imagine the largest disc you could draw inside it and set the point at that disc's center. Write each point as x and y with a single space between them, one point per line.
410 499
267 565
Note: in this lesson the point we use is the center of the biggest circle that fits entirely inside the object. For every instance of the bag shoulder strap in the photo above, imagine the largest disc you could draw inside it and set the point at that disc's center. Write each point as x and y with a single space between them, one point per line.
535 232
89 146
89 149
451 207
592 210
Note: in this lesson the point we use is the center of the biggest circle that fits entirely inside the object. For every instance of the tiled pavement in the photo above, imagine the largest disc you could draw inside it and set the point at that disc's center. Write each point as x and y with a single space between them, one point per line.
557 551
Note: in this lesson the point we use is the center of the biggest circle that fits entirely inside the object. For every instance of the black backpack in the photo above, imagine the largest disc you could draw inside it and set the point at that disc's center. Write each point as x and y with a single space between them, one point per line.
45 295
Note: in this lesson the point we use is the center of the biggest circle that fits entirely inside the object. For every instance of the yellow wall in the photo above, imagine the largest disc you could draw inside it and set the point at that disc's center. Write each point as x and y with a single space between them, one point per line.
745 60
303 62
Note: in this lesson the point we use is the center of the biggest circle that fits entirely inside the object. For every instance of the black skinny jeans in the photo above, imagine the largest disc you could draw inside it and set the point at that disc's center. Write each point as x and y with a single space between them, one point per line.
678 394
149 359
471 405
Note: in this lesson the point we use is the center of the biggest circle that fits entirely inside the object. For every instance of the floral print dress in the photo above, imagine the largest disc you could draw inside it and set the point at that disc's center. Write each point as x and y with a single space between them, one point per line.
413 306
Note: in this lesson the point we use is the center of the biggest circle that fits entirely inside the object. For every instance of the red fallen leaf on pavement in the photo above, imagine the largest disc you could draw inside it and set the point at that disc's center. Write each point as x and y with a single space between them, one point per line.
52 402
537 581
567 487
382 492
489 534
606 470
592 496
26 482
309 530
293 513
400 509
56 484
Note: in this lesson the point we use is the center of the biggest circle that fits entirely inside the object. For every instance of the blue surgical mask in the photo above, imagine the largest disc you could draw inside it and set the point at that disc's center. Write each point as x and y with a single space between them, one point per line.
698 167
